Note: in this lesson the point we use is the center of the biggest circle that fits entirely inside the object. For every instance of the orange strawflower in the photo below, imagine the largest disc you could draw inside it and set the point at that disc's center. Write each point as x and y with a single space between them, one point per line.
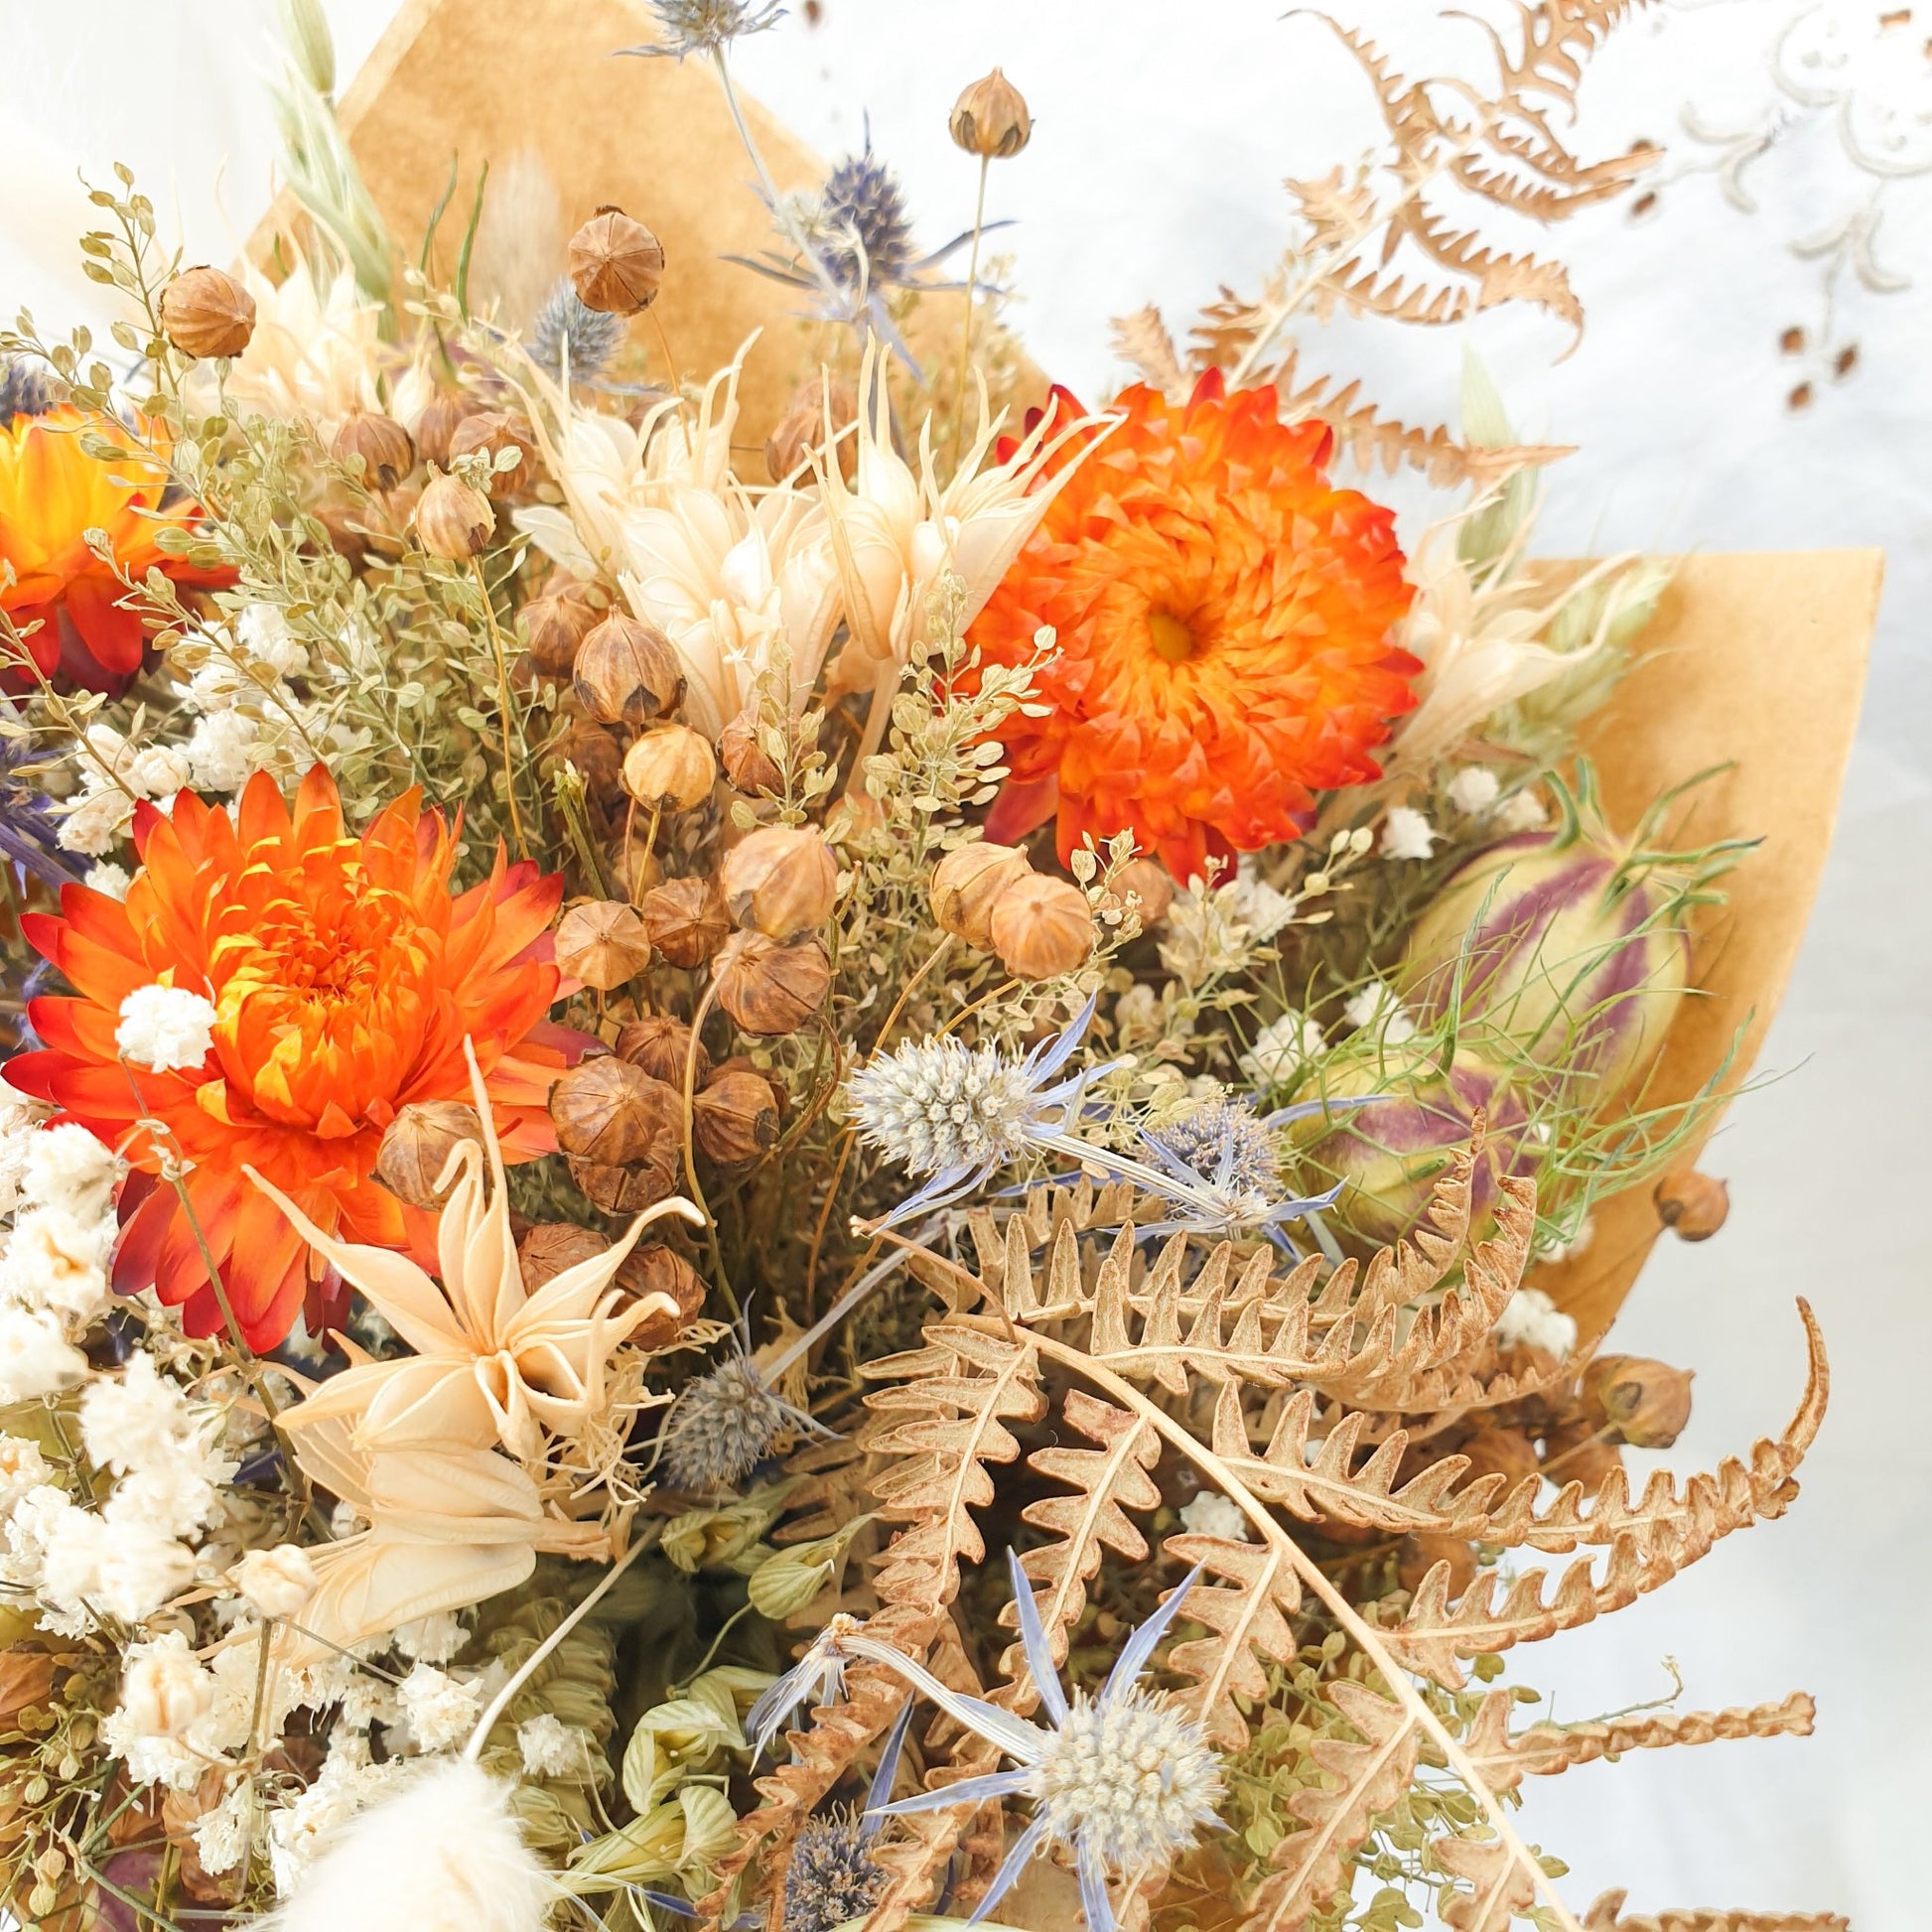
51 493
345 977
1223 612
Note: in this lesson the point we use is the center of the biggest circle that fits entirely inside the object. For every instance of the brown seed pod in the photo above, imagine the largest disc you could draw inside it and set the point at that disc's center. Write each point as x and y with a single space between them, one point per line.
1041 928
735 1118
670 768
626 1190
768 988
686 919
616 264
659 1045
743 758
657 1270
1419 1553
967 884
611 1113
627 672
1500 1452
382 444
207 314
417 1145
1693 1206
453 521
437 424
494 431
546 1250
801 429
554 626
782 878
1576 1453
743 1064
597 757
1639 1401
343 523
603 943
989 119
1152 884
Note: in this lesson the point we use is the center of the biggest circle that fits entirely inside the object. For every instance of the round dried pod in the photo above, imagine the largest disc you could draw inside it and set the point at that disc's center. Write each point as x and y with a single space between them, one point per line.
686 919
1152 884
989 119
343 523
603 943
1041 928
1693 1206
1576 1453
969 881
636 864
381 442
670 767
1419 1553
659 1045
207 314
768 987
780 878
627 672
626 1190
735 1118
546 1250
453 521
438 423
801 429
743 758
611 1113
417 1145
743 1064
1500 1452
616 264
597 757
657 1270
554 626
1640 1402
494 431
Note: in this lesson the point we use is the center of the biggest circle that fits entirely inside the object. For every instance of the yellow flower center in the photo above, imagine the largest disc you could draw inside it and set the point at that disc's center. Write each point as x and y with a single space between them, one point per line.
1171 637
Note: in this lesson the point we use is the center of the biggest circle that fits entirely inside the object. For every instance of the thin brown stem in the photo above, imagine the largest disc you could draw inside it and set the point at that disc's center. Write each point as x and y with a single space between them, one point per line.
504 700
691 1145
966 327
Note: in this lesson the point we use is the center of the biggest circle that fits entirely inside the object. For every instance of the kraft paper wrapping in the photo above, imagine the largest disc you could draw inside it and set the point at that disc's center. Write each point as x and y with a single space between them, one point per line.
1757 660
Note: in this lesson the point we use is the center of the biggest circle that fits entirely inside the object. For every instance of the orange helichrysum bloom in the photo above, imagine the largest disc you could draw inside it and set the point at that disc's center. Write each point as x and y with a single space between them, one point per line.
1223 616
345 977
51 493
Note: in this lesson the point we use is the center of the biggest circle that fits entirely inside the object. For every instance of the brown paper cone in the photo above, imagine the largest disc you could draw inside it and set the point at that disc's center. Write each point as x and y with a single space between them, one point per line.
1755 659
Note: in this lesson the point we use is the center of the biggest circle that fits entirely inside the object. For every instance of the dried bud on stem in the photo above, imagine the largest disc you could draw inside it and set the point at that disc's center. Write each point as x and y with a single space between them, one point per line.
769 988
670 768
743 758
554 626
1641 1402
989 119
417 1145
611 1113
659 1045
602 942
686 920
494 431
381 442
736 1118
616 264
969 882
1041 928
1693 1206
1148 882
453 521
627 672
205 314
437 426
783 880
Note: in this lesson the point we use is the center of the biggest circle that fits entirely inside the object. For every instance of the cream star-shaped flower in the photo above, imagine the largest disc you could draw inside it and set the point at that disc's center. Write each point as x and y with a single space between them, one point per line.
493 1362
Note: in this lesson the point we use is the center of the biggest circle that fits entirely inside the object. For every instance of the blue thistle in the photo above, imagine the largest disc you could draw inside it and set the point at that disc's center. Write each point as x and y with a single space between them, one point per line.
567 325
29 831
704 26
25 389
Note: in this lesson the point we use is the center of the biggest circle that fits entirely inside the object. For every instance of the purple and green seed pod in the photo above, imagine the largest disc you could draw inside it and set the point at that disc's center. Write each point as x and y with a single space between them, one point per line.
1579 966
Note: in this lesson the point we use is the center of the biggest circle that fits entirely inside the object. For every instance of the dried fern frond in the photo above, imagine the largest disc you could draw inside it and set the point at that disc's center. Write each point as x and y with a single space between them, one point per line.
1498 1887
1141 340
1606 1915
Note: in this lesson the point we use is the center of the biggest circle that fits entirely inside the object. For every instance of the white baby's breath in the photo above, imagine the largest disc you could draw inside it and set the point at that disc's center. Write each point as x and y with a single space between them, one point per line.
1407 834
165 1028
1473 790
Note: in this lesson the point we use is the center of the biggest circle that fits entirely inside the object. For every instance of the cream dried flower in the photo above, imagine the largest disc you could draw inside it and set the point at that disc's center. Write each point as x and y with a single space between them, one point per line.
316 349
165 1028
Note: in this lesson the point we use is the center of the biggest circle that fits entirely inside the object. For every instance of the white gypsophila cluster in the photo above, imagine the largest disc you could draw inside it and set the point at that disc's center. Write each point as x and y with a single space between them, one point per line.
167 1027
176 1715
1377 1008
277 1582
1407 834
166 1449
551 1749
433 1639
106 877
1526 812
1473 790
1257 905
350 1781
440 1710
225 1831
20 1118
935 1104
1127 1780
1281 1048
23 1466
1530 1320
1212 1514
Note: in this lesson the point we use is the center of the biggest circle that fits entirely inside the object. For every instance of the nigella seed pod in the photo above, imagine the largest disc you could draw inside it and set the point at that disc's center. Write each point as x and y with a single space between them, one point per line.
657 1270
1581 967
595 753
1693 1206
1041 928
783 880
736 1118
989 119
208 314
1152 884
768 988
628 672
602 943
453 521
802 426
628 1190
670 768
492 432
554 626
969 882
616 264
686 920
1577 1452
381 442
417 1145
744 760
1506 1453
1638 1401
661 1046
437 426
612 1114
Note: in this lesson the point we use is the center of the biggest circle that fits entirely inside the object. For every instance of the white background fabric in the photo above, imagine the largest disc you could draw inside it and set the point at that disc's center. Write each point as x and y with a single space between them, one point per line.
1162 135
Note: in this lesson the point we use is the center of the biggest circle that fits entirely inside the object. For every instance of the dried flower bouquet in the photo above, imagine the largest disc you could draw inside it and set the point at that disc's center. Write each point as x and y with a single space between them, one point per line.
818 1185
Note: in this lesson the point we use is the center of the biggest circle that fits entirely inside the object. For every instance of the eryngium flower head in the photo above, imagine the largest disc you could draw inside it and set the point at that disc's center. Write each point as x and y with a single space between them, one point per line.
1218 1169
861 209
571 336
25 389
704 26
832 1876
1224 1141
722 1427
